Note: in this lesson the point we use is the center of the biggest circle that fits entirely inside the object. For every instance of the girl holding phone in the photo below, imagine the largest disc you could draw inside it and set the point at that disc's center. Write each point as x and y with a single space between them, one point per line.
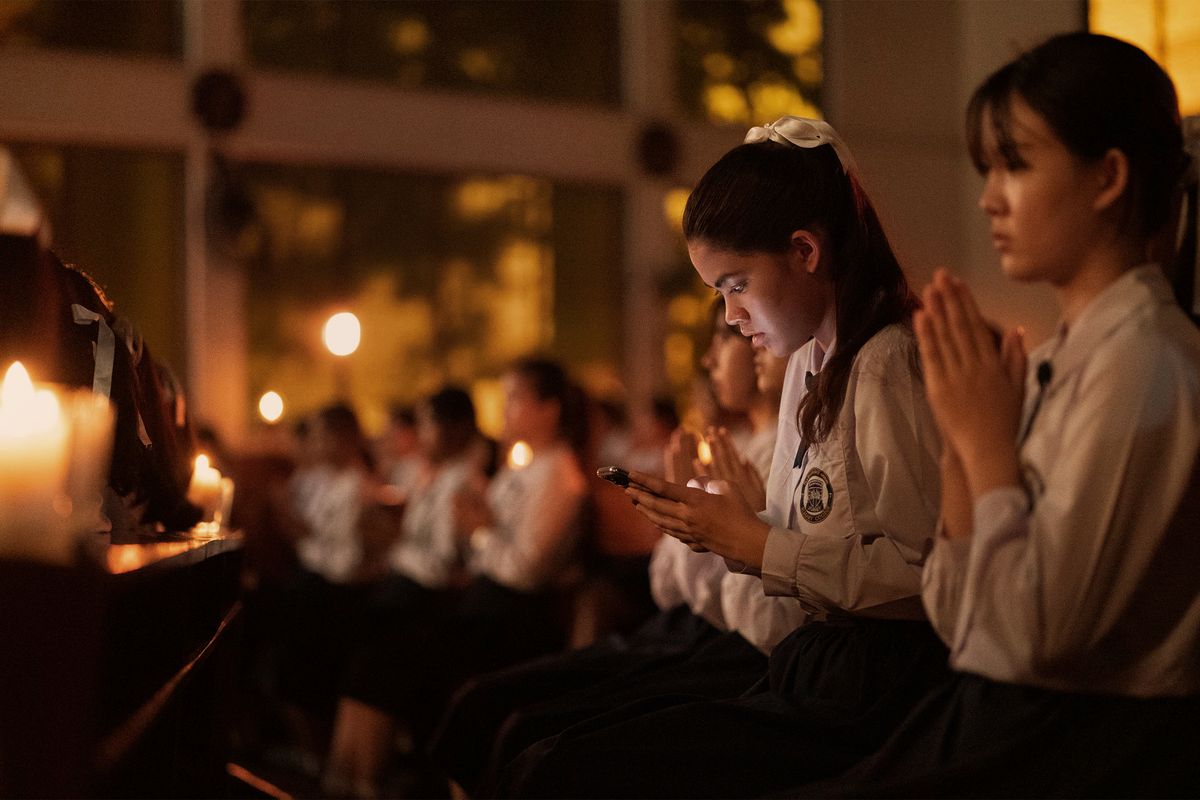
783 230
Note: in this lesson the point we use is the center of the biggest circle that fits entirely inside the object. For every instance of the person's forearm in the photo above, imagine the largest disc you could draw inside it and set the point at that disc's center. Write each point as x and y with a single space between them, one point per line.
956 498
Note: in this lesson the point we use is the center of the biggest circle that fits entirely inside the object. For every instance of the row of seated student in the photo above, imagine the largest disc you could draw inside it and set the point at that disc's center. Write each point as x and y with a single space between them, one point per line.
983 560
391 644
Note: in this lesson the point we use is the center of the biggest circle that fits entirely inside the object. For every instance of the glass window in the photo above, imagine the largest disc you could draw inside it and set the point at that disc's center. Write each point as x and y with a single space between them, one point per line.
118 214
749 61
1169 30
451 277
542 48
150 27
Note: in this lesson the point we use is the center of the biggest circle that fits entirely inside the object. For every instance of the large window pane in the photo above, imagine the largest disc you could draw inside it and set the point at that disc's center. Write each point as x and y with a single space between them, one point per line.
118 214
451 278
150 27
1169 30
749 61
541 48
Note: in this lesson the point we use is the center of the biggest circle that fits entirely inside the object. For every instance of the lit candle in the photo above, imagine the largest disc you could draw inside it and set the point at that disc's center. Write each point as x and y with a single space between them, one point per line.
33 464
205 489
91 419
520 456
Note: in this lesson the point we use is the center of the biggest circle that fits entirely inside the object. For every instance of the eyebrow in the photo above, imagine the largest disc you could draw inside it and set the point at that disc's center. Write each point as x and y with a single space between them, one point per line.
728 276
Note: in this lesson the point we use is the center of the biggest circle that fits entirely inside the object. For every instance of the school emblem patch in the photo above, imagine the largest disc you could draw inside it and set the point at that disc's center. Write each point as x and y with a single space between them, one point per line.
817 494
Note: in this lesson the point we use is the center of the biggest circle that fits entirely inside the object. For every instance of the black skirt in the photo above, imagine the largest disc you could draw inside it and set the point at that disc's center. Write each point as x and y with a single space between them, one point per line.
413 662
974 737
486 720
832 694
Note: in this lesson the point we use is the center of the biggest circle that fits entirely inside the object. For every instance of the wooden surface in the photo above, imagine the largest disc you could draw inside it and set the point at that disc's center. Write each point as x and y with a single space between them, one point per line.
116 671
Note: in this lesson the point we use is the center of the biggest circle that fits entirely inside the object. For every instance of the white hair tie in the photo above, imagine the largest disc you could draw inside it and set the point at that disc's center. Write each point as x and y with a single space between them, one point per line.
806 133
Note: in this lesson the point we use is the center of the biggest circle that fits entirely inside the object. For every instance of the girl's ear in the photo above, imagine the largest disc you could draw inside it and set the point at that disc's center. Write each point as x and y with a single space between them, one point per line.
1113 176
804 251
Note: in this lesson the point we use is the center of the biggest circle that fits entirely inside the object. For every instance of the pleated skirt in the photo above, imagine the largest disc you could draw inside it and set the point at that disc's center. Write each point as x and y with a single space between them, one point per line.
832 695
487 718
974 737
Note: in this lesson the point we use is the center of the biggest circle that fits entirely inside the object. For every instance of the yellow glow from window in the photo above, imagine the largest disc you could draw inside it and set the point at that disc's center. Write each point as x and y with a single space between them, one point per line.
718 66
409 36
771 100
800 31
685 310
488 396
270 407
674 202
343 333
726 103
1169 30
478 64
677 355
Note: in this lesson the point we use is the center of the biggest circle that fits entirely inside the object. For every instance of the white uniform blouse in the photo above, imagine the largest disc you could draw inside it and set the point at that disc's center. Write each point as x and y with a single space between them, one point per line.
1086 580
761 620
681 576
329 501
428 546
851 526
536 514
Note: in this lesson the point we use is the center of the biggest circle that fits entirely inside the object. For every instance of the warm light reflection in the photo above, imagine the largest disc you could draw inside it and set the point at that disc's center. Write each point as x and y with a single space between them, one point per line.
520 456
123 558
270 407
342 333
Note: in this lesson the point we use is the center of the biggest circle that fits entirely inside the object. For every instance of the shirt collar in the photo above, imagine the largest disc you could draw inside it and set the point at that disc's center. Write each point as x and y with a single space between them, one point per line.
1142 287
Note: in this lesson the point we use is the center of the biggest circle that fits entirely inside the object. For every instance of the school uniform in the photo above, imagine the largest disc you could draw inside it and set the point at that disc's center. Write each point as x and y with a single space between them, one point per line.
317 610
851 519
504 615
688 647
1072 610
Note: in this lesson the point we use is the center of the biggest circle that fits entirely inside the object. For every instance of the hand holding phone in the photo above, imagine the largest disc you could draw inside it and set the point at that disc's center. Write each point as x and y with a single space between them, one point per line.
614 475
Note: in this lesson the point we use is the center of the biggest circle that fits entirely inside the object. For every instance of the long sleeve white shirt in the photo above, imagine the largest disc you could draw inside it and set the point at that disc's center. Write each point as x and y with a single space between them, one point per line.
329 501
851 526
536 525
428 546
1087 578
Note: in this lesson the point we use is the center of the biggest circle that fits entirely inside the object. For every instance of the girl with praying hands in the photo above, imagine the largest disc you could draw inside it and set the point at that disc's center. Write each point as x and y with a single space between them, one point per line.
1065 577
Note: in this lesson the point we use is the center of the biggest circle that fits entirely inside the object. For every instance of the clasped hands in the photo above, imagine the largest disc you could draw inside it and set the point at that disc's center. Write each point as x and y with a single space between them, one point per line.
712 513
974 387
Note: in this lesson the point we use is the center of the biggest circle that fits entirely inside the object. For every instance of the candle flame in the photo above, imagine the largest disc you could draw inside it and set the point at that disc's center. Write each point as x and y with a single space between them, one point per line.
18 388
704 452
25 410
201 463
520 456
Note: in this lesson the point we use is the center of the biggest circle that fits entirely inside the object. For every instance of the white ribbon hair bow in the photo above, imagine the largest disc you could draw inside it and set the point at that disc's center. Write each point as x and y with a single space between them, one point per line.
806 133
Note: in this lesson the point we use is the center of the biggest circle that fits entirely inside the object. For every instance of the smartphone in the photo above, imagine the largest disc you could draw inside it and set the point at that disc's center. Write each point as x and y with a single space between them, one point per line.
614 475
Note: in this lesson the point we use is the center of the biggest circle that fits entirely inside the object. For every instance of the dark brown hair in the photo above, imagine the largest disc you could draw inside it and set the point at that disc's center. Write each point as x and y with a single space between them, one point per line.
756 196
1095 93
